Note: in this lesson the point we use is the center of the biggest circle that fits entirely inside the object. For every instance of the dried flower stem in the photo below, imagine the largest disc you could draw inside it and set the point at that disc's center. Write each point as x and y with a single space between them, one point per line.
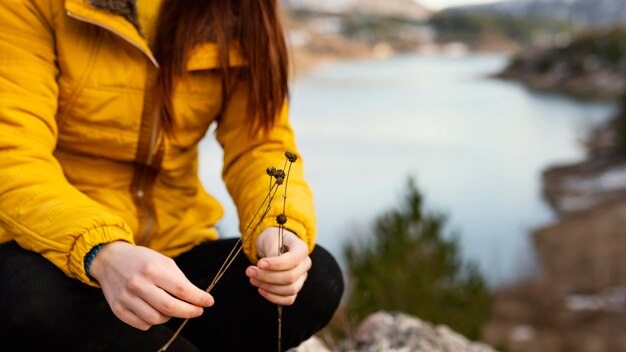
239 245
232 255
277 178
281 248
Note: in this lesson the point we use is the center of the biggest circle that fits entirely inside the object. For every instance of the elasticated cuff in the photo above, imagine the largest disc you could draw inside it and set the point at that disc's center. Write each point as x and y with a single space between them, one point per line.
89 239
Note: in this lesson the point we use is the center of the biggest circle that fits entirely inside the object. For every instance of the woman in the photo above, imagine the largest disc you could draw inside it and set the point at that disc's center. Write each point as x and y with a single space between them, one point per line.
108 238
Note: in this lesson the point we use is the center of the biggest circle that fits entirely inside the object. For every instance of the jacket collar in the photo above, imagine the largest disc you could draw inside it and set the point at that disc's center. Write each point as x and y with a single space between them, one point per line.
116 16
124 8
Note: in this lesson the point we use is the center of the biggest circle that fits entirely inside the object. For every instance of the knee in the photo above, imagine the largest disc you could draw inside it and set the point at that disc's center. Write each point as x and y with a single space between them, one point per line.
34 292
325 281
25 291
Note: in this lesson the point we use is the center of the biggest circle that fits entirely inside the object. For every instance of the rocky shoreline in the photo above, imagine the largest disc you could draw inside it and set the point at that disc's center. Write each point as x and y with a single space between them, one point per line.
577 301
589 65
601 84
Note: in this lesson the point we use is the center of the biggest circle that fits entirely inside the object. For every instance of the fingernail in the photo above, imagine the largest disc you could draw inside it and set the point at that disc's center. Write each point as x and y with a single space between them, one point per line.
263 264
251 272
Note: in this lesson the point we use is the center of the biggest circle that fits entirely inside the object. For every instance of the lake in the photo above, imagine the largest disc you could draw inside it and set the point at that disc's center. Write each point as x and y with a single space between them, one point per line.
475 146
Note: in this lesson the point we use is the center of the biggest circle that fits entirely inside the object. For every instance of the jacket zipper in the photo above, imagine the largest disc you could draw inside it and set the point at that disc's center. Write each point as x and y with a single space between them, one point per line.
142 182
141 196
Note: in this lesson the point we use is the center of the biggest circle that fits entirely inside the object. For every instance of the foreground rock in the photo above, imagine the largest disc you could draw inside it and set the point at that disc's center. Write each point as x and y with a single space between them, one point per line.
385 331
314 344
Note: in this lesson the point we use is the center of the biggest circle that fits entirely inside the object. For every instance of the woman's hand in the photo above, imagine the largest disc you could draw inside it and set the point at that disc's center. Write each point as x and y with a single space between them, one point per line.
145 288
280 278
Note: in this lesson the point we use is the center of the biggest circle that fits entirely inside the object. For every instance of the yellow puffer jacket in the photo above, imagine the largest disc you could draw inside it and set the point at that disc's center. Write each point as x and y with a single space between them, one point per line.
82 160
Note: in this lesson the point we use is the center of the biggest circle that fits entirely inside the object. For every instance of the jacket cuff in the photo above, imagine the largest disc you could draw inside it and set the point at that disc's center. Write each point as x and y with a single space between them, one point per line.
88 240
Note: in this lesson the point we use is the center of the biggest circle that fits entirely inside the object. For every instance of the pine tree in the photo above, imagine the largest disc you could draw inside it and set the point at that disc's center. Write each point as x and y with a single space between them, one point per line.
409 265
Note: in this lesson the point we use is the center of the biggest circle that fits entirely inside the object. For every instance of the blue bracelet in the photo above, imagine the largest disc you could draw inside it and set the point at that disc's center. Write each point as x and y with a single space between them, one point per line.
89 257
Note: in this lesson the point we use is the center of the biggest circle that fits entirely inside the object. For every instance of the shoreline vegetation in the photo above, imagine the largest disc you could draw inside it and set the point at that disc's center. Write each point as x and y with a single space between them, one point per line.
577 297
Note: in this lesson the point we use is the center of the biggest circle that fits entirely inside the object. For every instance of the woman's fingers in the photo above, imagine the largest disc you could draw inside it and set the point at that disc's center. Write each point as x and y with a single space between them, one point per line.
281 290
168 305
286 261
172 280
166 289
129 317
282 278
148 284
276 299
146 312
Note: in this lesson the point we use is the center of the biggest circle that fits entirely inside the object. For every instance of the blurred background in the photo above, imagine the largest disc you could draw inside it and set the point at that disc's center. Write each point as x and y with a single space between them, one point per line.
468 160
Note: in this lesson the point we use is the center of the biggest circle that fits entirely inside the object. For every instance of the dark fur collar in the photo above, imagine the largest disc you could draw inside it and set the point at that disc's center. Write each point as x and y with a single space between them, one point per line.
124 8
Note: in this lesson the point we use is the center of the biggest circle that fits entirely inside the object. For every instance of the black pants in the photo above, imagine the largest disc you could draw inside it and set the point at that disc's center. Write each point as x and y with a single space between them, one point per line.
42 309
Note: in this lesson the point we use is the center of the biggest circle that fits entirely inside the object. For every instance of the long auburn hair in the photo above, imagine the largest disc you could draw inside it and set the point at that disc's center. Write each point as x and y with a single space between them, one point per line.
253 25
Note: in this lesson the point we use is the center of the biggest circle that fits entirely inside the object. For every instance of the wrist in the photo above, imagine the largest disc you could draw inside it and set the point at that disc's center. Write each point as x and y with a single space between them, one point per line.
100 261
89 258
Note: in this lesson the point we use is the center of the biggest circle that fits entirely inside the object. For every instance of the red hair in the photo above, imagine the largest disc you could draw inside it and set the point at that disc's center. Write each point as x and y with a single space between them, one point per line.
253 25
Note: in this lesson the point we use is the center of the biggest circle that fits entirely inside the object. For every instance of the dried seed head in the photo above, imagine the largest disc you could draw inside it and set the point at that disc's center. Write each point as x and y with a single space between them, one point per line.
279 174
291 156
270 171
280 180
281 219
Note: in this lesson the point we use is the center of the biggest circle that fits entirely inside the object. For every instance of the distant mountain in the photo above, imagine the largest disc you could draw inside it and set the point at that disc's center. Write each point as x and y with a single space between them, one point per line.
406 9
589 13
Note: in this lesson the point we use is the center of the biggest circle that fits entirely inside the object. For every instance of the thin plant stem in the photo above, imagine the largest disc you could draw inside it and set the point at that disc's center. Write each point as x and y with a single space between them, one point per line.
286 184
233 254
281 250
279 306
280 327
245 240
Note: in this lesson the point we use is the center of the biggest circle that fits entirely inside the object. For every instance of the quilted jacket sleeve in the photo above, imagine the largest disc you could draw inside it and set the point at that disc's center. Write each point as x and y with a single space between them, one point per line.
38 206
245 160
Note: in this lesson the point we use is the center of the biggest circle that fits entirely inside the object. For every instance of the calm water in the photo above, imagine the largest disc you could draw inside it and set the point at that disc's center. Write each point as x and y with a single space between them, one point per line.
475 146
